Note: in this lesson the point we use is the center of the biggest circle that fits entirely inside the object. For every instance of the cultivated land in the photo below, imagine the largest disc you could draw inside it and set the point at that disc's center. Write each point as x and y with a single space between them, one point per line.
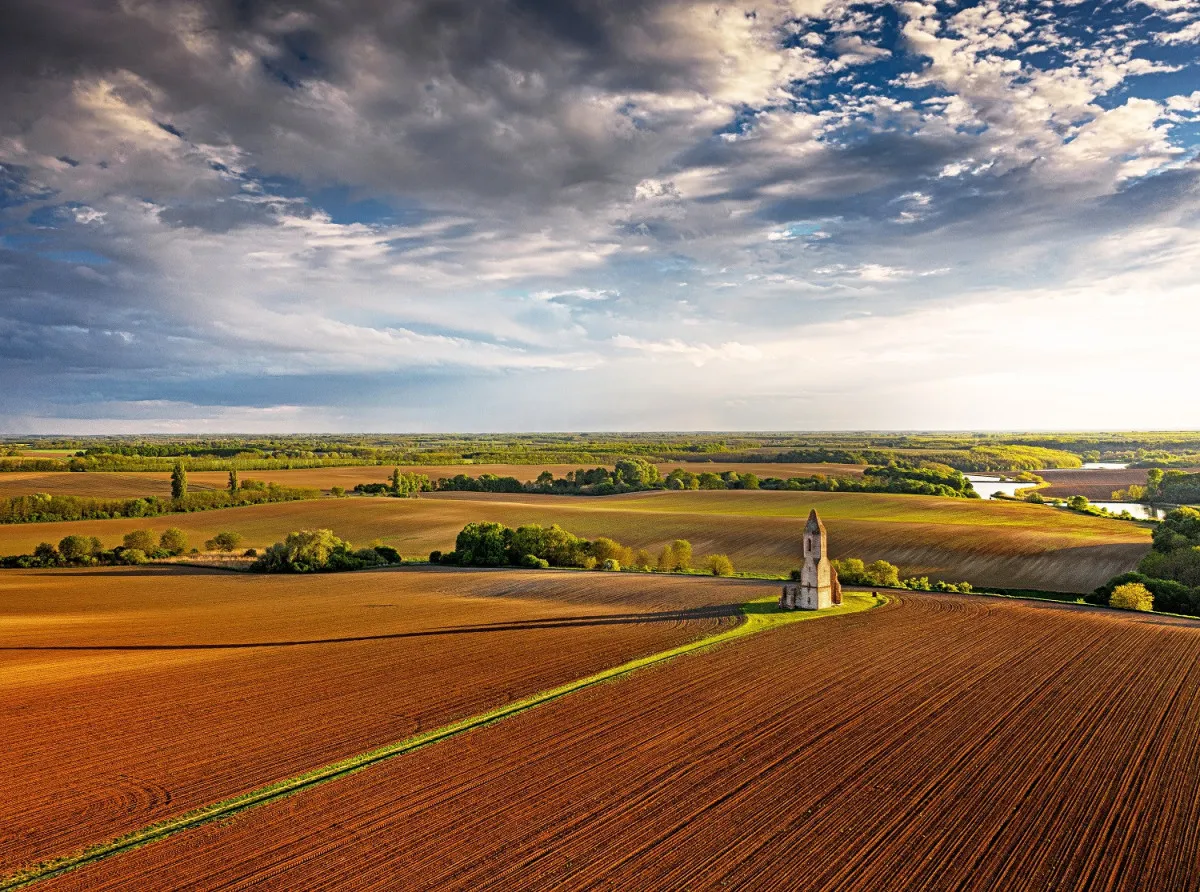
1097 485
144 483
942 742
130 695
987 543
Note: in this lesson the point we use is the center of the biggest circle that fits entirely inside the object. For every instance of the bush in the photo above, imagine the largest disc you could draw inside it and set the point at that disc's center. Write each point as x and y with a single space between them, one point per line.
173 541
611 564
484 544
337 491
852 571
75 549
534 562
720 565
143 540
1132 596
676 556
642 560
224 541
134 556
250 552
435 557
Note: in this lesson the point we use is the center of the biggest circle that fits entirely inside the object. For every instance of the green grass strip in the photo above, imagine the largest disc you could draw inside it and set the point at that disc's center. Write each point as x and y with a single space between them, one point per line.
758 616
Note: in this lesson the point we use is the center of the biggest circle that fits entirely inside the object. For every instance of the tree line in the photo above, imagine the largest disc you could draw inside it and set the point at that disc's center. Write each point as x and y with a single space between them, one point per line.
1169 576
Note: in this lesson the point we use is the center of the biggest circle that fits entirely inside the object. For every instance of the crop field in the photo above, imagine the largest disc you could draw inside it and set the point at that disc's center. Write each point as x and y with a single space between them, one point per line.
103 484
1097 485
987 543
941 742
129 695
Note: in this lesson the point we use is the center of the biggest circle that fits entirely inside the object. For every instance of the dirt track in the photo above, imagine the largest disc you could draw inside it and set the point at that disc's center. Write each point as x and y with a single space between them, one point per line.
942 743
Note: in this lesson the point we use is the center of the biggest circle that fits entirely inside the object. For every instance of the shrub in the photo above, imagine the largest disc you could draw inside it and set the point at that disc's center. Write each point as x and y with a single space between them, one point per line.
720 565
453 558
45 554
173 541
1132 596
484 544
224 541
389 554
435 557
134 556
75 549
611 564
250 552
337 491
534 562
143 540
642 560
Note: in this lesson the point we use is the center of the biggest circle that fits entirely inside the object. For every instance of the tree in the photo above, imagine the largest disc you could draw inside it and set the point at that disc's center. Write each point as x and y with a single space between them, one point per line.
1132 596
635 472
173 541
233 480
604 550
484 544
395 481
75 548
676 556
720 565
1078 503
337 491
1154 479
142 540
306 551
224 541
178 481
45 554
642 560
709 480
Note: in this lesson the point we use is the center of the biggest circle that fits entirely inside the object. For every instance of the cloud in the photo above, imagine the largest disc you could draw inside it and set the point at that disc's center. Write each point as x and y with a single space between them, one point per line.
194 195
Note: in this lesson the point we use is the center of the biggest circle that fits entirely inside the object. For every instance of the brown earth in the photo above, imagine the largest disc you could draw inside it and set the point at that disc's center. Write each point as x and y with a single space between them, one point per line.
1097 485
131 695
941 743
1002 544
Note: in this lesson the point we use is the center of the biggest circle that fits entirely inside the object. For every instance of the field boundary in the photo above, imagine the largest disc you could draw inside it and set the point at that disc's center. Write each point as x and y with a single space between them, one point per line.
757 616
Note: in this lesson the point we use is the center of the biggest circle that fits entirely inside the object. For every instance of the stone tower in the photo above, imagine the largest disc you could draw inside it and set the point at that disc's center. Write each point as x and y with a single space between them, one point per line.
818 587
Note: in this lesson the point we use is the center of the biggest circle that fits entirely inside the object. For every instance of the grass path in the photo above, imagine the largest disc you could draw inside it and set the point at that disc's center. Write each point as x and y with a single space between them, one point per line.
759 616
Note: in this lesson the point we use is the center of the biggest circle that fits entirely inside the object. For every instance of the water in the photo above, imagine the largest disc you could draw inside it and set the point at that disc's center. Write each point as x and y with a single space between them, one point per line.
1138 510
1105 465
987 486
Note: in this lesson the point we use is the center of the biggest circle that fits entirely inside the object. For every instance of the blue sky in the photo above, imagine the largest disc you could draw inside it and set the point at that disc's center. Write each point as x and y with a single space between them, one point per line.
795 214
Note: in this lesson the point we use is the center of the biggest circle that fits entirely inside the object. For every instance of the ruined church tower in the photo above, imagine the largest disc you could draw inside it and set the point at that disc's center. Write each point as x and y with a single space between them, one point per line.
818 587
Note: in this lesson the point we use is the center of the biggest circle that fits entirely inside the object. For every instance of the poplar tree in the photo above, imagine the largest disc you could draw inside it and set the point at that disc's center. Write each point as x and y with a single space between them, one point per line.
178 481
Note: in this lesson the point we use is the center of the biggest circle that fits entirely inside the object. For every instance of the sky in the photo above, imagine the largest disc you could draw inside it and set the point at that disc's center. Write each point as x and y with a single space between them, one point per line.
598 215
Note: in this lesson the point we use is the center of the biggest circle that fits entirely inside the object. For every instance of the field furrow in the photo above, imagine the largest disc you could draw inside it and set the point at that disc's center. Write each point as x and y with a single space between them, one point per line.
940 743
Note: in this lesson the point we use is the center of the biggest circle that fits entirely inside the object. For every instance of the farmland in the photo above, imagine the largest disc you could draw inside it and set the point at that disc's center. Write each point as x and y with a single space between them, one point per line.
113 484
1097 485
133 694
987 543
896 749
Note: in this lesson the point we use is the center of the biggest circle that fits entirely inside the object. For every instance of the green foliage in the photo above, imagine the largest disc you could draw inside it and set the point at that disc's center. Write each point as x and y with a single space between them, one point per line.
534 562
75 549
134 556
233 480
337 491
1169 596
484 544
852 571
173 541
719 565
435 557
178 481
610 564
320 551
45 508
226 540
142 540
675 557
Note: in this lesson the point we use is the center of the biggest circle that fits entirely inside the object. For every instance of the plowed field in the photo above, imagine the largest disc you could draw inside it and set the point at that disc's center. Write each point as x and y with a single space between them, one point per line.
940 743
987 543
131 695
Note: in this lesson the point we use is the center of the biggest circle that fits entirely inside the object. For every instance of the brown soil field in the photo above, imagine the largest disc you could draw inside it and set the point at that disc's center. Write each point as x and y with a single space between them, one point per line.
134 484
1003 544
1097 485
940 743
134 694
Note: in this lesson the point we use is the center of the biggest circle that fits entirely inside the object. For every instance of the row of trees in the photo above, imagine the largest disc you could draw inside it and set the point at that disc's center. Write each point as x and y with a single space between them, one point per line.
853 571
320 551
43 507
636 474
487 544
1170 573
137 547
